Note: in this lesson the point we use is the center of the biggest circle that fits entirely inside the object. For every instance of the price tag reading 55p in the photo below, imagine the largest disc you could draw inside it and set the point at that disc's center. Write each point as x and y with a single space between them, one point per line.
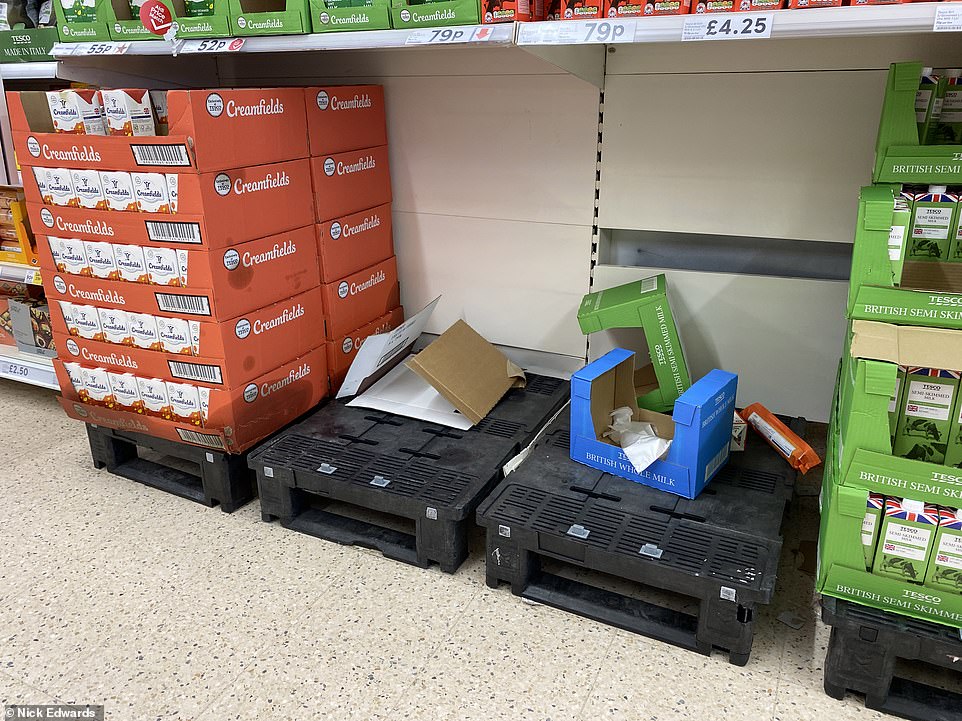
726 26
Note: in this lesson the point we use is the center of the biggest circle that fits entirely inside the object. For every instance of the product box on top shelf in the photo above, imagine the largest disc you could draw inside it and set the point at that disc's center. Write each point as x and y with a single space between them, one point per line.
649 8
341 352
354 242
86 20
802 4
358 299
207 130
196 210
699 428
270 17
22 44
345 117
925 293
899 157
231 420
507 11
228 353
350 182
201 18
169 280
643 304
339 15
434 14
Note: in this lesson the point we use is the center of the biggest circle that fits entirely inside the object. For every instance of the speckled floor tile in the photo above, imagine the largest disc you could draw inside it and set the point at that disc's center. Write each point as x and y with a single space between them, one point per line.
13 691
808 702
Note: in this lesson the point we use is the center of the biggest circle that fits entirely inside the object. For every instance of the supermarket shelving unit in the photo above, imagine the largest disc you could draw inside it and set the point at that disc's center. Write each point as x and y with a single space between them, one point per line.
531 162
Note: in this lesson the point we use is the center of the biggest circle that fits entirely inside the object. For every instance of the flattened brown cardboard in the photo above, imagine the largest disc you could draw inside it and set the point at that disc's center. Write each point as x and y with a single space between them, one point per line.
468 371
907 345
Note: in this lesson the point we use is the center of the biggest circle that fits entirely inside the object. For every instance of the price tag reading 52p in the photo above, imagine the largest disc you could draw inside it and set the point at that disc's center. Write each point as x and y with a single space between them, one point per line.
727 26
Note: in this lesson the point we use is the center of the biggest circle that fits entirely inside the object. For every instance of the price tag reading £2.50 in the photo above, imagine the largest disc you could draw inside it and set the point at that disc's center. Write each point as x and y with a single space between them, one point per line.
724 26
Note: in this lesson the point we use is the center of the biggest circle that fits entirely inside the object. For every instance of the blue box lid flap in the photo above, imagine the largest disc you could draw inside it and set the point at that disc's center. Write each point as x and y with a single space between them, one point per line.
581 380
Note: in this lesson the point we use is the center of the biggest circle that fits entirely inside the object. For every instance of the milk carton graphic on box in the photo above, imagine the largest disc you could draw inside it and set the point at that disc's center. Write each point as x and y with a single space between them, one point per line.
905 540
143 331
131 265
150 192
75 372
87 188
118 190
115 326
40 176
73 255
128 112
945 567
874 507
86 320
60 188
927 405
76 111
184 402
174 335
54 245
933 214
97 383
100 258
153 395
163 267
124 388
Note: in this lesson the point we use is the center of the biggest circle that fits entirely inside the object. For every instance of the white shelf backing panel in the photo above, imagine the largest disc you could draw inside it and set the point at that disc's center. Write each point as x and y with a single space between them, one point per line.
771 155
27 368
28 71
781 336
518 284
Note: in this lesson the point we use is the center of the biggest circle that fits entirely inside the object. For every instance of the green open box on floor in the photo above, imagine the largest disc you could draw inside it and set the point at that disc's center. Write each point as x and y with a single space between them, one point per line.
434 14
643 304
927 294
376 16
269 17
898 156
25 45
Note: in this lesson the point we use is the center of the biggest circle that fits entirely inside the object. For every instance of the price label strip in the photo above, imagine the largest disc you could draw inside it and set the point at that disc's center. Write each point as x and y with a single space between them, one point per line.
727 26
28 373
948 18
212 45
577 32
101 48
450 36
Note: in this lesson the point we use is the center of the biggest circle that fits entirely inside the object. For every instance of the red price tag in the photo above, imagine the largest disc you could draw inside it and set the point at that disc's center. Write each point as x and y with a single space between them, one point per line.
156 17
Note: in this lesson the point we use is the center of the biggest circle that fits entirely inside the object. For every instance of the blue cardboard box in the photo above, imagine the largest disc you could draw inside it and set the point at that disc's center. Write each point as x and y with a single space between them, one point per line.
700 426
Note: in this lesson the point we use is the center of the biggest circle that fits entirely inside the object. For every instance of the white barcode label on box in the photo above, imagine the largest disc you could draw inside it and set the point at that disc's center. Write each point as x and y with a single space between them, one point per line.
192 304
649 284
196 372
202 439
168 155
170 232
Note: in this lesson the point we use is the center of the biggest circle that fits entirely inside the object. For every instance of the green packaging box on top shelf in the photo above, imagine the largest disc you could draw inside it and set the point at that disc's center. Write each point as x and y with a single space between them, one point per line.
215 23
85 20
269 17
24 45
434 14
899 158
643 304
340 15
926 294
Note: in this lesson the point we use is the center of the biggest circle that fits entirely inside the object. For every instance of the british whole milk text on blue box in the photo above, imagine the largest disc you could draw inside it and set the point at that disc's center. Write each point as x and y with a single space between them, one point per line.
701 425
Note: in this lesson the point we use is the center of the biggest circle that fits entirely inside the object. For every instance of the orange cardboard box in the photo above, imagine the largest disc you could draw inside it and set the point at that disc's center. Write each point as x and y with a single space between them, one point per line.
581 9
360 298
350 182
345 117
236 419
213 210
507 11
228 283
713 6
646 8
341 352
208 130
231 353
354 242
800 4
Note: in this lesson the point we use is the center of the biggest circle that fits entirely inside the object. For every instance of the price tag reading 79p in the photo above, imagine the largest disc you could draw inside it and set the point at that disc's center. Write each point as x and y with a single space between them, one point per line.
444 36
605 31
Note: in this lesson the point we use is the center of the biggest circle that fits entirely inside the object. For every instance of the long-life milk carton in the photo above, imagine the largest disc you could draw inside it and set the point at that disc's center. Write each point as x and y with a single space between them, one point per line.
898 236
905 539
874 507
128 112
945 567
76 111
927 405
933 217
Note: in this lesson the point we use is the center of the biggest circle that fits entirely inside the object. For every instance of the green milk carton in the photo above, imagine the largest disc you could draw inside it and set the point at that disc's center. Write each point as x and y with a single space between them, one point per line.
933 219
945 566
898 235
905 539
948 127
953 449
874 507
927 404
643 304
895 403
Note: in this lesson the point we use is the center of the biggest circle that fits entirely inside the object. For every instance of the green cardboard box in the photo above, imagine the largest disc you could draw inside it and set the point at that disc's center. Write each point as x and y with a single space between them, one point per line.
899 156
933 222
899 235
895 404
945 566
953 449
955 247
327 17
435 14
924 100
22 45
870 526
269 17
83 20
905 539
643 304
926 415
211 18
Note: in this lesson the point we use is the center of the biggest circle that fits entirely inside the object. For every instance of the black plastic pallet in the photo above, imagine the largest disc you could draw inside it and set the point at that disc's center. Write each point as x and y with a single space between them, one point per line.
721 549
220 478
865 645
423 472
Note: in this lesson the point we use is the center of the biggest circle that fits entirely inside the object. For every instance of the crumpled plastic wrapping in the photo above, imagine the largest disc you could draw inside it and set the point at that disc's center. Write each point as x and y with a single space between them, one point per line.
638 440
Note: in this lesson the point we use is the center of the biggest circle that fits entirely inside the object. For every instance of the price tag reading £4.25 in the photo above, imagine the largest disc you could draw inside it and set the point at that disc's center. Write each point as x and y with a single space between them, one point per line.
725 26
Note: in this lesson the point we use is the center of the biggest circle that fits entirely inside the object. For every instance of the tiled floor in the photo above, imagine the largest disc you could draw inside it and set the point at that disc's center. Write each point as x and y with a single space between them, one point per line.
159 608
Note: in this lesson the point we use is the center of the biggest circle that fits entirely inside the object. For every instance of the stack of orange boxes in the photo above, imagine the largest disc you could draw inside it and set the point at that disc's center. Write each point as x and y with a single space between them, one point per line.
352 198
181 268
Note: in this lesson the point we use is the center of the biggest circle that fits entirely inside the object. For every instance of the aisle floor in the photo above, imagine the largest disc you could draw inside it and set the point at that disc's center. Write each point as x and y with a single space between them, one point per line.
117 594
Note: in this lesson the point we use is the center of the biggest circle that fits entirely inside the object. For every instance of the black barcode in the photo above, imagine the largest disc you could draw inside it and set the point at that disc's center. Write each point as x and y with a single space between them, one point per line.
173 232
160 155
202 439
195 372
193 304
